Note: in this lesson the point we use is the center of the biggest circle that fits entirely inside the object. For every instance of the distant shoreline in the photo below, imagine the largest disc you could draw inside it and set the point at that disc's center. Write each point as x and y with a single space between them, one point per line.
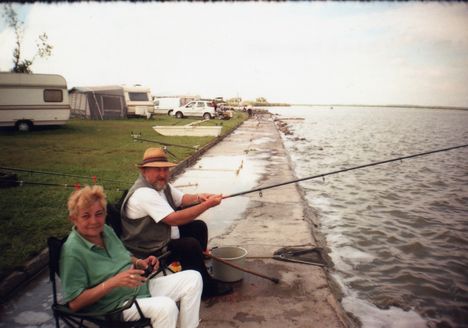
390 106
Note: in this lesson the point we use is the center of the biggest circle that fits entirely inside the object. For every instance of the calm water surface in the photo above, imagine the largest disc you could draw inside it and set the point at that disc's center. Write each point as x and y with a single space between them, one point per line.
398 232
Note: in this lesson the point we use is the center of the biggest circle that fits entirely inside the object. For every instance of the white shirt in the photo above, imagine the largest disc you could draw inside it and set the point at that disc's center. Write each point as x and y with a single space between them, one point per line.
148 201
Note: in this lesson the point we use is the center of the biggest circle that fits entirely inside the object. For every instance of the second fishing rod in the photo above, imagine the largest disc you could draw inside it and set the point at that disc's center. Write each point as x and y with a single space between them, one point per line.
323 175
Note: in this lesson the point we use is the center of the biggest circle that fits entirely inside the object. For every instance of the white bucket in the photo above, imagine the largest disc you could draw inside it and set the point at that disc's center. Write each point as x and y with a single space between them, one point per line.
232 254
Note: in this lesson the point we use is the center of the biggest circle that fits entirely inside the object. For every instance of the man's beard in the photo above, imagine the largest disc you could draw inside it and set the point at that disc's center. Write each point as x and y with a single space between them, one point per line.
160 185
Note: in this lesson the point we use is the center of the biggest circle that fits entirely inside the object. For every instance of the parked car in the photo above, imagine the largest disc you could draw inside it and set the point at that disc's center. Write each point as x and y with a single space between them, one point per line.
198 108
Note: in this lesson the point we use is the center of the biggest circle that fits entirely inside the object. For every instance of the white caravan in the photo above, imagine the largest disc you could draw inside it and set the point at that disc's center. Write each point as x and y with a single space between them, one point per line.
33 99
138 100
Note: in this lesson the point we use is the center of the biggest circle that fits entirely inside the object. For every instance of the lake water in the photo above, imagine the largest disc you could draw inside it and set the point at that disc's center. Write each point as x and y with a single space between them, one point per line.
398 232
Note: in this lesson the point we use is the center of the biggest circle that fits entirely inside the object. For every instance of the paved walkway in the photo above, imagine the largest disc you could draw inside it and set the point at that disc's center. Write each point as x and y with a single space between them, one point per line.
275 219
251 157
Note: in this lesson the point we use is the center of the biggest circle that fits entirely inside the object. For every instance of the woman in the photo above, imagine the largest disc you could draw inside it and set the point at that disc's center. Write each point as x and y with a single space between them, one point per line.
99 274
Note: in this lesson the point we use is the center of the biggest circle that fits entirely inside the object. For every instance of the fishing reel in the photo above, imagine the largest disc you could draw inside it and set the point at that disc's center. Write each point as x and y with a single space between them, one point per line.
136 136
148 270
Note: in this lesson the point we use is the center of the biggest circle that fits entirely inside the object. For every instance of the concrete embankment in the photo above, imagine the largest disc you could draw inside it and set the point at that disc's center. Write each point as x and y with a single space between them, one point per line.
276 218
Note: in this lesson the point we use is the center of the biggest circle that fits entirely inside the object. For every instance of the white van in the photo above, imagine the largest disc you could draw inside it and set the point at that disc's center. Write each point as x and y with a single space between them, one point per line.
33 99
138 100
166 105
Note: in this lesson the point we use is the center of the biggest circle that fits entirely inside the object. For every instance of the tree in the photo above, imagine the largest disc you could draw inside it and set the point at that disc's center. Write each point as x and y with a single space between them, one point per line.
44 49
261 100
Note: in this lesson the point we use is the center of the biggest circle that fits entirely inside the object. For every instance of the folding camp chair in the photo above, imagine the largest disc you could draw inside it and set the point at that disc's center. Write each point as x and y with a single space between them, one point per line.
76 319
113 218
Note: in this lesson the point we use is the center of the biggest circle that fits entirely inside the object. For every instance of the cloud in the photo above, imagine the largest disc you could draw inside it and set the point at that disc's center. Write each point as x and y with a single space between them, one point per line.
387 53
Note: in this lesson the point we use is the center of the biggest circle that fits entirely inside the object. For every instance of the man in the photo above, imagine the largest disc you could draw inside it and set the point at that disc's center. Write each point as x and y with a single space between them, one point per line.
152 221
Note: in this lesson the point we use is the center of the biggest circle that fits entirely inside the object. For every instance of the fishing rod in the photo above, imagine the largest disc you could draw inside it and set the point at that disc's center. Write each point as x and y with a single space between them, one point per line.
21 183
238 267
137 137
94 178
343 170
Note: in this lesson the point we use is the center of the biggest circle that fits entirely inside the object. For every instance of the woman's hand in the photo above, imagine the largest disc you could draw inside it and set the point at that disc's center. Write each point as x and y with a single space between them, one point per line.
131 278
153 260
150 260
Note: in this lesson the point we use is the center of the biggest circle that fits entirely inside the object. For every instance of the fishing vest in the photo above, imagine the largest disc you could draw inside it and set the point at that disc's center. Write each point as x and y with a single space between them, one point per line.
144 236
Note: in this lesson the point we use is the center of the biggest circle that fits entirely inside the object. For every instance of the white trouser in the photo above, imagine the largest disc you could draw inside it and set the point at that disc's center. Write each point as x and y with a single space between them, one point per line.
184 286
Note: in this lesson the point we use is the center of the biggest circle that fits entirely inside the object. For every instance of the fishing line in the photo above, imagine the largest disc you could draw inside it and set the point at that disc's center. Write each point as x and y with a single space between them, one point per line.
343 170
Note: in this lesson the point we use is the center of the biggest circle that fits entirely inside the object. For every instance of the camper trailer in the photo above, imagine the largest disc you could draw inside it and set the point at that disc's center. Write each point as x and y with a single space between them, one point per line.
138 100
165 105
98 103
33 99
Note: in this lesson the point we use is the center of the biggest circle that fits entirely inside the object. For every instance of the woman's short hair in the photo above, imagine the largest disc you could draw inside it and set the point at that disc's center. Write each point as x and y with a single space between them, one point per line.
85 198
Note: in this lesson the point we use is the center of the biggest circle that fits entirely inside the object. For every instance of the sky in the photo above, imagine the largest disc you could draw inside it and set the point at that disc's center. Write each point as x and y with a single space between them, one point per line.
387 53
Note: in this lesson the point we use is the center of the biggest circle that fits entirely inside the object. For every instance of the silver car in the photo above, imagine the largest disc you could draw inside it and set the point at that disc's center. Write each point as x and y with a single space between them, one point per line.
197 108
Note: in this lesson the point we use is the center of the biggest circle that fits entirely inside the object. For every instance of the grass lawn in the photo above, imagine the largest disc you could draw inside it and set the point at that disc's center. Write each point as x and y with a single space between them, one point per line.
105 149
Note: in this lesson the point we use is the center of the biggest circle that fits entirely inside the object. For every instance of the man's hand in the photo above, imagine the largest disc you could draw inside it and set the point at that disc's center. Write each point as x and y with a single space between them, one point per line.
192 210
203 197
213 200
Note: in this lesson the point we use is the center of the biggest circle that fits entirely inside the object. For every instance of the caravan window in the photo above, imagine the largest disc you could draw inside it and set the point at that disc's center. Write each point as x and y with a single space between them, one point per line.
53 95
138 96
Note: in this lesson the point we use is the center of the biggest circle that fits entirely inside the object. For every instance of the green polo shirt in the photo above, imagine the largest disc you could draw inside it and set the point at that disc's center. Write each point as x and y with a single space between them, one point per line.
84 265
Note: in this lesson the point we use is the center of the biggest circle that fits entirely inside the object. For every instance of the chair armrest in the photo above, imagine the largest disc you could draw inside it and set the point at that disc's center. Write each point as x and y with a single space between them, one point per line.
66 310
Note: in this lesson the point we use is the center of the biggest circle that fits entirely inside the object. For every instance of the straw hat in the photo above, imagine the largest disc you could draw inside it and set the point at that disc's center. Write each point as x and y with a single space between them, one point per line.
155 157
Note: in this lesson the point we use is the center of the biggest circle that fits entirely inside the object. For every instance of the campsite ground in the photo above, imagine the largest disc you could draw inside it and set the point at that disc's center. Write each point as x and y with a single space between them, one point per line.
81 148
